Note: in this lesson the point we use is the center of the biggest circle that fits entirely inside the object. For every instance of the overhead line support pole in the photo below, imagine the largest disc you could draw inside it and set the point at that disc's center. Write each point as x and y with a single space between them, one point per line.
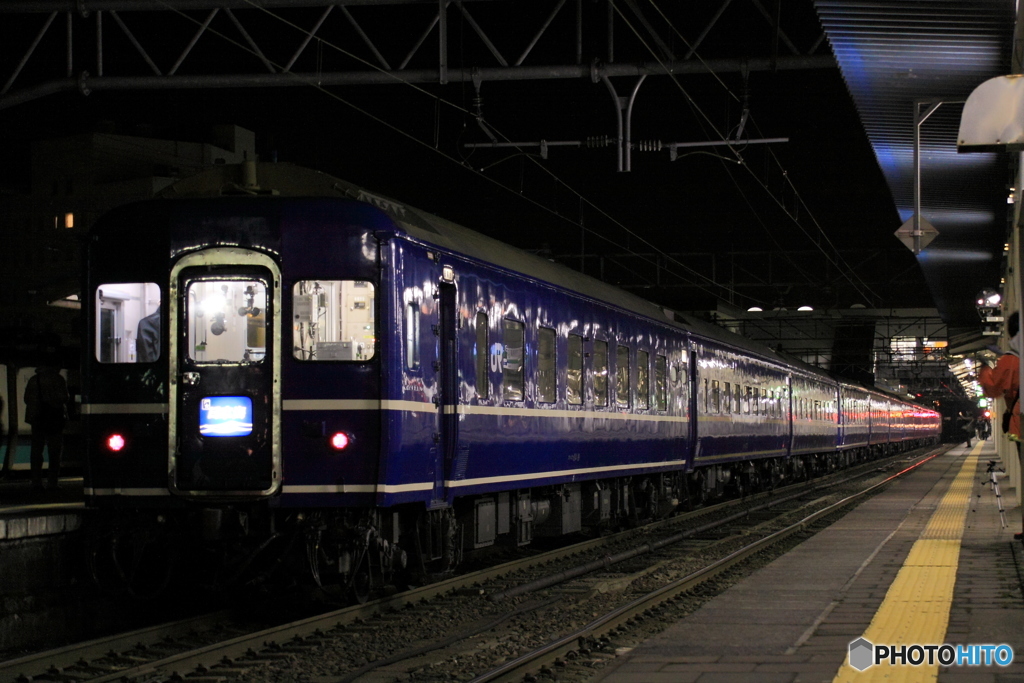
919 119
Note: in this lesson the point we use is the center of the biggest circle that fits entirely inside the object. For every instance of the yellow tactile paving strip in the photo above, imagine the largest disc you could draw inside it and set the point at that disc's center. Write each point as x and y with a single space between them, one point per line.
916 606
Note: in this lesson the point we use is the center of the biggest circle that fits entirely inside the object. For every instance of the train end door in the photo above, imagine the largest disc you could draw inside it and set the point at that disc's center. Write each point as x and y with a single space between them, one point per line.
225 338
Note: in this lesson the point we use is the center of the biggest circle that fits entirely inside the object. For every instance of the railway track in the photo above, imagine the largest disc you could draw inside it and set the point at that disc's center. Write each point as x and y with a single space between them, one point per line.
505 613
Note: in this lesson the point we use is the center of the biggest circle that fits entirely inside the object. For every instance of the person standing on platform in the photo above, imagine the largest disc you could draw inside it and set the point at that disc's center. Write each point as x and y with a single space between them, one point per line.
966 424
1003 381
46 400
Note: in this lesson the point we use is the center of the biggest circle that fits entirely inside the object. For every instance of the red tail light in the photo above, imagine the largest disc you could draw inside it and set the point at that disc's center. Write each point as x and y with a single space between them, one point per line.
115 443
340 441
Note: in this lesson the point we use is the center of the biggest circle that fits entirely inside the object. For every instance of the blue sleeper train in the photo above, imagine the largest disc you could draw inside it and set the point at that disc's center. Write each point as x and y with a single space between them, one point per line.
276 356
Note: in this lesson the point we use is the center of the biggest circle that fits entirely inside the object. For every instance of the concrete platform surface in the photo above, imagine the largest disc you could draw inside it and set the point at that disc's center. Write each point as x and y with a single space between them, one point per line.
793 620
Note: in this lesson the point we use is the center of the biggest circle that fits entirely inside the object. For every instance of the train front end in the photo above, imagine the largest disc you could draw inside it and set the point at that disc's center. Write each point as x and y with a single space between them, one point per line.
223 335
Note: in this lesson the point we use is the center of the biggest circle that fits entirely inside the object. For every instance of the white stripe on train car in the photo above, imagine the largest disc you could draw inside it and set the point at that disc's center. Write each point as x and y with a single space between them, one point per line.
124 408
421 406
119 491
541 412
357 488
560 473
358 404
426 486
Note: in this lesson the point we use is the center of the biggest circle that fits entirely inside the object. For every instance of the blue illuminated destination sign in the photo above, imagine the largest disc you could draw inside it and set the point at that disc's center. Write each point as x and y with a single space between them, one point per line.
225 416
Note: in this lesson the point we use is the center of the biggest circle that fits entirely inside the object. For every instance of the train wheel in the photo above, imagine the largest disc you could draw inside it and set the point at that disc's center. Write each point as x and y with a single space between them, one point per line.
360 585
696 490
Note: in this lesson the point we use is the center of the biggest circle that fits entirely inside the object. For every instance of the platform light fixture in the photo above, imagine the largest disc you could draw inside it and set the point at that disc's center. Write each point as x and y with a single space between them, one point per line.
755 309
805 308
989 298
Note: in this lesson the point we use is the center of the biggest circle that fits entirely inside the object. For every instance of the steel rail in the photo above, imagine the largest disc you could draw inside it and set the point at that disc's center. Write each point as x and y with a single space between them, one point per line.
73 654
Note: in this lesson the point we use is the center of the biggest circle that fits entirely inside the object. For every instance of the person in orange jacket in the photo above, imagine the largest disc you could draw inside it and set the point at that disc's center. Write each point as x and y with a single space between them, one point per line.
1003 381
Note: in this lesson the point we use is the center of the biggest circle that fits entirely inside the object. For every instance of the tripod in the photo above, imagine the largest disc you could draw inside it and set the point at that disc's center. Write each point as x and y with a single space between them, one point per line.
993 478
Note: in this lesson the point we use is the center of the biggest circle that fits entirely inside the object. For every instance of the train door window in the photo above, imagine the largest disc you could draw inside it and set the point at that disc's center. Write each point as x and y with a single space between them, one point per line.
512 361
127 322
227 320
574 371
643 380
546 376
716 401
412 335
622 376
600 370
707 394
483 359
660 384
334 320
726 397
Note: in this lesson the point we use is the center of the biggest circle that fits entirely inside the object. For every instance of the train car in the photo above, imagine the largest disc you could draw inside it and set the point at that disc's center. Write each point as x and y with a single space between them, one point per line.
854 417
743 413
288 361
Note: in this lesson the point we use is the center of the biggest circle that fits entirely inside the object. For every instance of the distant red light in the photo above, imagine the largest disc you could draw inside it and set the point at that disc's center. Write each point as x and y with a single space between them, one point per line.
115 442
339 441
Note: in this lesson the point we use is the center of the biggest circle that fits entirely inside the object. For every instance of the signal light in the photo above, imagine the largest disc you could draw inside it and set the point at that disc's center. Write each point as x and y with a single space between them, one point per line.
340 441
115 443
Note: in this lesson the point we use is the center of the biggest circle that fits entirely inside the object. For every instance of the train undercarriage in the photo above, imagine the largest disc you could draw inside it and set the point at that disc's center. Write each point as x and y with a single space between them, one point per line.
350 555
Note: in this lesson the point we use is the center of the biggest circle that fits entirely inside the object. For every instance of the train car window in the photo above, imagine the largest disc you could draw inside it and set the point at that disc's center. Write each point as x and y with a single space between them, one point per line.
755 399
622 376
483 359
707 393
512 361
746 401
226 320
574 371
643 380
716 403
412 335
660 385
546 376
726 397
127 322
737 402
600 370
334 320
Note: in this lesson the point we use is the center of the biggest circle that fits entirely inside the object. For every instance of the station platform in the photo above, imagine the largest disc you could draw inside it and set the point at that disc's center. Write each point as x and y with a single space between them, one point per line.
925 562
26 512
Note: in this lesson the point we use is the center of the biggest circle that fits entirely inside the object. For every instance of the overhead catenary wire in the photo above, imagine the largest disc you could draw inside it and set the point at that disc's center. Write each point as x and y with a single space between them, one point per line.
838 260
700 277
